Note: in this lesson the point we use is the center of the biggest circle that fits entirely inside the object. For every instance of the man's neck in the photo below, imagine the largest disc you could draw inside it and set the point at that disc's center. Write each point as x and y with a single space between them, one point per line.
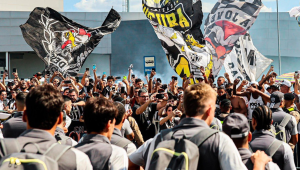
119 126
100 133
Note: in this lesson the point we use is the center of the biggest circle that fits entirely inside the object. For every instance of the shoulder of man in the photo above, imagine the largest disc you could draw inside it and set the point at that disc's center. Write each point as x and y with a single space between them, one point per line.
118 158
82 160
296 115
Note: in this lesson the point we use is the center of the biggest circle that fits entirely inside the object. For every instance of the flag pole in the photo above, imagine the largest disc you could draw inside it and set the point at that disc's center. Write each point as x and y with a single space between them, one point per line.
278 35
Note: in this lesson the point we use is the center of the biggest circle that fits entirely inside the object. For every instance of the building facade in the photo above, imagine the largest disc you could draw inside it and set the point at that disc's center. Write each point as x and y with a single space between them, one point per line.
134 39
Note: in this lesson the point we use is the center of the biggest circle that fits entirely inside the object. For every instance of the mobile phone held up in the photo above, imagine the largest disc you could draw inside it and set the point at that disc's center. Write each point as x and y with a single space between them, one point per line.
14 70
67 81
122 89
145 73
94 66
160 96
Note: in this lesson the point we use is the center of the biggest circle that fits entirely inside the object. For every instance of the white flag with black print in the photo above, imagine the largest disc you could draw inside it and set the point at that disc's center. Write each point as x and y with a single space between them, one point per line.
245 61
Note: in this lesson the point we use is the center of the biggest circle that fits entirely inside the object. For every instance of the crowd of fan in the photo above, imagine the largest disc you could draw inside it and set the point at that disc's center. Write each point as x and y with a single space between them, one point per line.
118 122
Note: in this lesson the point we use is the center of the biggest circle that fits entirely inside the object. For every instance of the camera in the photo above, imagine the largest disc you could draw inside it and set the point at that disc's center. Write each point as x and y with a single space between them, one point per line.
160 96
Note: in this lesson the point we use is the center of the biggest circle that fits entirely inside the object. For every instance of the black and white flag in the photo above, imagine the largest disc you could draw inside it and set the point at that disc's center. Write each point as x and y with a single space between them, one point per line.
61 43
245 62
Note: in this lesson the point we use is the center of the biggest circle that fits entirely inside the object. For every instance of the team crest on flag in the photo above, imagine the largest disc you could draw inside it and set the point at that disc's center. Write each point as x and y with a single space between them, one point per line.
61 43
227 21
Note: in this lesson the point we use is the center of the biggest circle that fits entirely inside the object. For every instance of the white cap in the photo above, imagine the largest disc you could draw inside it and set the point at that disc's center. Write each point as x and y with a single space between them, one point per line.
254 82
286 83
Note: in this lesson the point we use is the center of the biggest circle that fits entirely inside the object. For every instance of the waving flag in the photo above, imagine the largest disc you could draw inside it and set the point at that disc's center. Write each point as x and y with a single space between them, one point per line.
245 62
227 21
61 43
177 25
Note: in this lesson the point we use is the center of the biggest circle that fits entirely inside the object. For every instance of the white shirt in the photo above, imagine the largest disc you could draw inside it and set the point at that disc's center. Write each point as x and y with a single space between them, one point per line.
118 159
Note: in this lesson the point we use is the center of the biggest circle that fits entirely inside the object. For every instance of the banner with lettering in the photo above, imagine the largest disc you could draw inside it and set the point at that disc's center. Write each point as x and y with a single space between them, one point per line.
245 62
177 25
61 43
227 21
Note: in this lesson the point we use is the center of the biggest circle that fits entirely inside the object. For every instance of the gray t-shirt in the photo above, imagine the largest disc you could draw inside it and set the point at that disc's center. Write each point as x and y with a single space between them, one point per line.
126 129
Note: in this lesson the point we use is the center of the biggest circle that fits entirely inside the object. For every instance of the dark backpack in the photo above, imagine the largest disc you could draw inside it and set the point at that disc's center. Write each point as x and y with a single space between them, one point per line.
279 129
178 154
16 158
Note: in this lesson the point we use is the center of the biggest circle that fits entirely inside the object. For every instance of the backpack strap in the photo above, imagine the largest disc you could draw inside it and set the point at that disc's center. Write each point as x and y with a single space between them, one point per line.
275 145
123 142
56 151
250 149
285 120
202 136
9 146
166 134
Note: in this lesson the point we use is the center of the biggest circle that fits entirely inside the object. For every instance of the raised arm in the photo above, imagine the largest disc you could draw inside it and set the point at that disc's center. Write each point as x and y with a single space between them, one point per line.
296 85
150 84
226 75
83 78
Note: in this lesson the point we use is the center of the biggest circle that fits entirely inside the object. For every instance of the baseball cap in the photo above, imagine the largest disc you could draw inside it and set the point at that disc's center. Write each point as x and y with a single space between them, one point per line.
289 96
39 74
286 83
276 98
276 86
236 126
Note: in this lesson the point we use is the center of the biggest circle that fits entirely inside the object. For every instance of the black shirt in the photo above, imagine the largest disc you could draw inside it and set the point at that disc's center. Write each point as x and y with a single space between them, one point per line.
146 120
106 91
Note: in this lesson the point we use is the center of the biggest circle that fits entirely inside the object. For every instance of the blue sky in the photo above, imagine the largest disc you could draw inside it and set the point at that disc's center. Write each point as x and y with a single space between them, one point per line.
135 5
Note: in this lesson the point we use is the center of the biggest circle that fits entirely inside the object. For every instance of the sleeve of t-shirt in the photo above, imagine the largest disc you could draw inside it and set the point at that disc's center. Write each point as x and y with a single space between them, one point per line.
294 130
118 158
289 163
135 107
219 124
127 127
229 156
137 157
104 91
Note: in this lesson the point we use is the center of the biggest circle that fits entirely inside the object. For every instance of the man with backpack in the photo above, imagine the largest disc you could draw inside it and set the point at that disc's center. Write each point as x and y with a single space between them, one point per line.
37 147
284 125
117 138
236 126
263 139
215 150
15 126
99 119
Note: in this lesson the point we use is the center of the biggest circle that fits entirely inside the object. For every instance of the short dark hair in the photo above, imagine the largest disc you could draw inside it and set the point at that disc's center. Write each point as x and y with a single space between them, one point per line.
72 90
180 88
20 98
221 77
110 78
263 116
142 91
97 113
138 80
228 85
67 89
121 112
43 107
2 91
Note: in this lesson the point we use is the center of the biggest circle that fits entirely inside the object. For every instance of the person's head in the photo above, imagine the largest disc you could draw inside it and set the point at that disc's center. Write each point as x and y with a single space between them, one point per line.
73 95
169 109
99 116
225 106
143 96
200 79
262 118
56 82
3 95
276 99
285 86
272 79
221 91
229 86
221 81
136 91
66 91
10 85
20 101
289 100
199 101
146 86
139 83
39 75
110 81
67 104
86 82
180 89
120 117
23 86
254 84
14 93
237 128
43 108
274 88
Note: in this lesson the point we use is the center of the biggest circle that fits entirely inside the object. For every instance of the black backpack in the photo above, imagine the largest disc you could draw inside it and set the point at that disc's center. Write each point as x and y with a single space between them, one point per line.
178 154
